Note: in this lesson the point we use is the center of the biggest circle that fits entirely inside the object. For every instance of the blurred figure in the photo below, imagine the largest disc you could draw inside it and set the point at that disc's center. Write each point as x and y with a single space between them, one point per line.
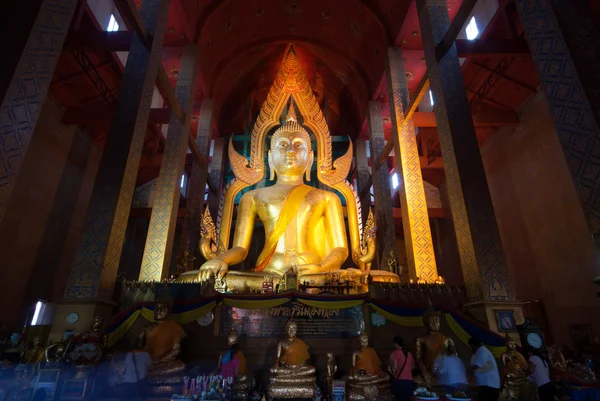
485 370
450 371
401 367
539 369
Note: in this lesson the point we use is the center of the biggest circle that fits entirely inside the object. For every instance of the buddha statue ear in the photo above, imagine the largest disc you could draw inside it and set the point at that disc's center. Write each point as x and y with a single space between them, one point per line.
311 160
271 169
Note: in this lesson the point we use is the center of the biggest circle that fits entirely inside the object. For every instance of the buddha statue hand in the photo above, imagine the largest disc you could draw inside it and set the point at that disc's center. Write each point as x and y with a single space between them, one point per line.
215 267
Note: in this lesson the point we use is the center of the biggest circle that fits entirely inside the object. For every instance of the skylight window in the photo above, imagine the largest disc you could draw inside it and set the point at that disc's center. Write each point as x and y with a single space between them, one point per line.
113 25
37 314
472 31
395 181
431 102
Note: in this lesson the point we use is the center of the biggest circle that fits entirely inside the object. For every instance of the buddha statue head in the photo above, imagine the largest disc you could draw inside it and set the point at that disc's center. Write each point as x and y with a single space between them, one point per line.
291 153
363 339
97 323
511 344
291 328
232 338
163 306
431 320
37 341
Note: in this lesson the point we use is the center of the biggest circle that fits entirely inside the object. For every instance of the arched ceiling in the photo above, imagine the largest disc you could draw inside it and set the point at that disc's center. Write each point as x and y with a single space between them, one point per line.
341 44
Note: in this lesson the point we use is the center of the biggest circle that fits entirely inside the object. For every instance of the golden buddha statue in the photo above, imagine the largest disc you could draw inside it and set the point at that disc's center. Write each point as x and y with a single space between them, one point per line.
305 227
162 341
291 212
431 345
514 372
233 363
292 376
366 372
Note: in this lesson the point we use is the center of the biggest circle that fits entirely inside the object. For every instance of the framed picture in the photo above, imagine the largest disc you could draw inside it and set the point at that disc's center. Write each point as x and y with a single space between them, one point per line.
506 320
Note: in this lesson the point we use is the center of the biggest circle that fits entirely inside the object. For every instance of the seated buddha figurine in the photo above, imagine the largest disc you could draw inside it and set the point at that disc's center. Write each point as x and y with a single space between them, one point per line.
304 226
232 363
366 372
292 376
431 345
514 372
162 341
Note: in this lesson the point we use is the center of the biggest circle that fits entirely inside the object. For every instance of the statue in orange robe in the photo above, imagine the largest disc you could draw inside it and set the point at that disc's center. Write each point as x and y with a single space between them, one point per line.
162 341
292 376
366 372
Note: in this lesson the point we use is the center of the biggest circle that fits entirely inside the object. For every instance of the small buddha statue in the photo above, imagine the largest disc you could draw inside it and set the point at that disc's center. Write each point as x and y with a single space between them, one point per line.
331 371
162 341
514 372
292 376
366 372
35 353
232 363
87 347
431 345
57 353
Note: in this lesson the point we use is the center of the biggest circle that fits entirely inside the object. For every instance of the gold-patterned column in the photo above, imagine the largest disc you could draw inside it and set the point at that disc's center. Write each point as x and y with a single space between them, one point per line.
482 257
197 184
216 171
161 231
415 219
97 260
363 177
26 92
387 252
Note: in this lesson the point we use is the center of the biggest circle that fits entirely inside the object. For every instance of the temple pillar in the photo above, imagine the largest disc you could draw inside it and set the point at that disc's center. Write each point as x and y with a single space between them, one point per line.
216 171
26 90
161 232
482 257
561 39
190 239
387 252
363 177
91 281
415 218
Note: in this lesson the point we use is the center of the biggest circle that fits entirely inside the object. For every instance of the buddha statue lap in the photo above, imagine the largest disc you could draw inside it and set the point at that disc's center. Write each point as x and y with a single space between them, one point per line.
514 372
430 346
35 353
366 372
292 376
232 363
162 341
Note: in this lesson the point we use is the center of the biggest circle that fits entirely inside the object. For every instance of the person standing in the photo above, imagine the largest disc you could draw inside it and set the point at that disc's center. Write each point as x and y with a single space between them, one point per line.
485 370
539 369
401 366
450 371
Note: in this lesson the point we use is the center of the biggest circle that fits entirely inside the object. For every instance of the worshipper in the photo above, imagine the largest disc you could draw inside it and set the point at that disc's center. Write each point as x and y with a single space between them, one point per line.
232 362
450 371
539 370
485 370
401 367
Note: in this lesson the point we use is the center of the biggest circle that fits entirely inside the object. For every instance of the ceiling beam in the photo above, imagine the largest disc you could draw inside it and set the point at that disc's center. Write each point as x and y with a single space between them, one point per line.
506 78
482 119
442 48
482 48
99 41
131 14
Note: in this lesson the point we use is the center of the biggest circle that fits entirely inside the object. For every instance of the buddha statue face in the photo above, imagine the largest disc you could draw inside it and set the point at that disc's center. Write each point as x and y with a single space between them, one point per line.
511 345
291 153
232 338
291 328
433 323
37 341
161 311
97 323
363 340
